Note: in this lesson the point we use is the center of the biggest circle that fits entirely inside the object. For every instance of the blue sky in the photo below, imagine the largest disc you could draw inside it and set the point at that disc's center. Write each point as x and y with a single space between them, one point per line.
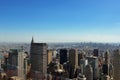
60 20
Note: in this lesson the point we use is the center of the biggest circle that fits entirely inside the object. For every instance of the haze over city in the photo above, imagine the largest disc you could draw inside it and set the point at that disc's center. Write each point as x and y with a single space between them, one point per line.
60 20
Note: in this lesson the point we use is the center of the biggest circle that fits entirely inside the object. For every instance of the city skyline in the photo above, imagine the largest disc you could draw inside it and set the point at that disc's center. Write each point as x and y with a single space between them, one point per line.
60 20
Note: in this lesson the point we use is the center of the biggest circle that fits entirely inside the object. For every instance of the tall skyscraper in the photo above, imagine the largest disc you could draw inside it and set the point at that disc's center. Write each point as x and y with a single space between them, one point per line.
16 62
93 61
73 57
106 64
73 61
81 56
116 65
63 56
49 56
107 57
38 58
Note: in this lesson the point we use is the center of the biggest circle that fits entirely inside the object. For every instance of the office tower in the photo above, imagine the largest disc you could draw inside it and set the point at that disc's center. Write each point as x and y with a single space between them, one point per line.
116 65
81 56
96 52
111 71
49 56
26 65
82 61
106 64
16 62
38 58
73 57
93 61
89 72
83 64
63 56
107 57
73 61
5 62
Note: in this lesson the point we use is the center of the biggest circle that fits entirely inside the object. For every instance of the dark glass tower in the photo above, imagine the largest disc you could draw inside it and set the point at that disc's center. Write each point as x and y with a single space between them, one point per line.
63 56
38 54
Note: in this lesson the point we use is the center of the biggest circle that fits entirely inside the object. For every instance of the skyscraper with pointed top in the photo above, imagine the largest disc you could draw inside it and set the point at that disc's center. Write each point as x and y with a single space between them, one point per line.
38 58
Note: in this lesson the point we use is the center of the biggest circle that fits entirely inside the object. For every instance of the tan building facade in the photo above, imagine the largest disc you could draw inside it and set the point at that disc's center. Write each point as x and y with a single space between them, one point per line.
73 57
49 56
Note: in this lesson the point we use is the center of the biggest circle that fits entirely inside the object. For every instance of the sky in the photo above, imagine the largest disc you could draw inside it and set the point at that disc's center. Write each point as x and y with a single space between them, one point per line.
60 20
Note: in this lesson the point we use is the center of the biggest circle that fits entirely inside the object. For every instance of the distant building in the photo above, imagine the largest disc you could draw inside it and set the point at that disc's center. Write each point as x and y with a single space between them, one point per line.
116 65
38 58
49 56
89 72
63 56
93 61
96 52
73 61
16 62
83 64
81 56
106 64
82 61
73 57
107 57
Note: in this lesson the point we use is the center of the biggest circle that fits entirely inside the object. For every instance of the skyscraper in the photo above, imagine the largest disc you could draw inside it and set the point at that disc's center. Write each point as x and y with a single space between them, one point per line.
89 72
95 52
106 64
73 57
116 65
49 56
93 61
16 62
63 56
73 61
38 54
81 56
107 57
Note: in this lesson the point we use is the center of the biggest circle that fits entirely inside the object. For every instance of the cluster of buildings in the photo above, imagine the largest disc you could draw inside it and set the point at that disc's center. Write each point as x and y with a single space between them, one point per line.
61 64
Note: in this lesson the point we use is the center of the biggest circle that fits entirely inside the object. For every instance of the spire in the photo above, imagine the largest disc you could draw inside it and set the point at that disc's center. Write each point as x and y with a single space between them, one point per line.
32 40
